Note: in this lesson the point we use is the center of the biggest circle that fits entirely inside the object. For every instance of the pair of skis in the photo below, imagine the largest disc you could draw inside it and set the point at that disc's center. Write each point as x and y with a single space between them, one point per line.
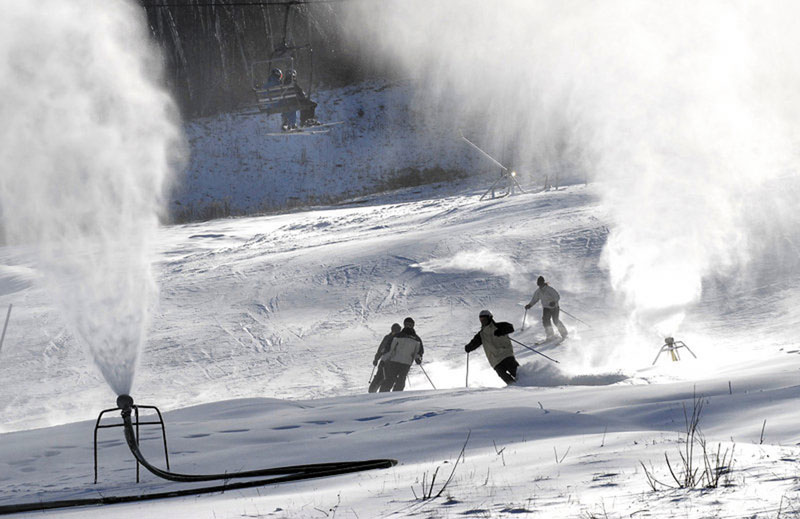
550 340
306 130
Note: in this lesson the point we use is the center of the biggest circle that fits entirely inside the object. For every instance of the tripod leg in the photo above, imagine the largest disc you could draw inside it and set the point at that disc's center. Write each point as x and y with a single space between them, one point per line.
491 188
517 184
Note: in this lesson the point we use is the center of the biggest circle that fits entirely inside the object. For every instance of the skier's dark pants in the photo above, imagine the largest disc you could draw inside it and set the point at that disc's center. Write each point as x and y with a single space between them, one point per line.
507 369
395 374
379 377
552 313
289 119
307 110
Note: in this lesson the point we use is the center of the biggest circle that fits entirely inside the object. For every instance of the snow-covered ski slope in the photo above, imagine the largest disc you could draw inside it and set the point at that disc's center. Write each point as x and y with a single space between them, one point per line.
261 351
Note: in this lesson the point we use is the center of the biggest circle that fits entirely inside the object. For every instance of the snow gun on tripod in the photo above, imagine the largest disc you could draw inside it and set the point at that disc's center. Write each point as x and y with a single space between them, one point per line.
508 178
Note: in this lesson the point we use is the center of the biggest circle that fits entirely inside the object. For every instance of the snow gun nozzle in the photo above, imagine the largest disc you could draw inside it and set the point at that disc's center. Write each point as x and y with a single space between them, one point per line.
125 402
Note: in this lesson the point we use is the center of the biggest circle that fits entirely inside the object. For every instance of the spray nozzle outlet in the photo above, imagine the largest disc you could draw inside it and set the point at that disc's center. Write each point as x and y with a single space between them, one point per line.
125 402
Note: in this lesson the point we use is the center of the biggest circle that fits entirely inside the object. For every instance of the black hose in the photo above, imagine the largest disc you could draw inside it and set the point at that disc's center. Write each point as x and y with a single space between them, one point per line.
284 474
309 470
110 500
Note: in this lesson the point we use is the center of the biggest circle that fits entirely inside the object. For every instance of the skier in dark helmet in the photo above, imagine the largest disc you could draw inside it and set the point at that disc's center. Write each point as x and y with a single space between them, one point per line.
406 348
383 348
496 345
550 310
275 78
289 118
307 106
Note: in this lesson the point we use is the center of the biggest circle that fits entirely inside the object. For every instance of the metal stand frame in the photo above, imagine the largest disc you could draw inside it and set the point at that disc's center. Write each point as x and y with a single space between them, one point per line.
511 178
505 173
137 423
5 326
672 346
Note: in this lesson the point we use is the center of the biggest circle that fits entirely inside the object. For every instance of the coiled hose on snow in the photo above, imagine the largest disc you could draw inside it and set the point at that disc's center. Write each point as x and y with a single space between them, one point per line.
272 475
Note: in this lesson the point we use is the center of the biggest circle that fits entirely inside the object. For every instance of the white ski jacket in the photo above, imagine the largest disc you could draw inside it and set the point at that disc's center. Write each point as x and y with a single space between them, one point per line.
547 295
496 347
406 347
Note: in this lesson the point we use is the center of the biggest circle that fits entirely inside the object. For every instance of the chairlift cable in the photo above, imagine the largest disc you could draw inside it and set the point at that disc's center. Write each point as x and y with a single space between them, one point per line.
245 4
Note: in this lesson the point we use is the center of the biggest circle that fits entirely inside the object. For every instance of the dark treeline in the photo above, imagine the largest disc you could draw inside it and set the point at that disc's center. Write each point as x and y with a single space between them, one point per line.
210 50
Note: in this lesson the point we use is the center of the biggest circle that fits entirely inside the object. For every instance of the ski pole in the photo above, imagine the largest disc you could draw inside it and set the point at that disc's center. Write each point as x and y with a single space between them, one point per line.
426 375
370 375
467 381
569 314
535 351
3 336
524 316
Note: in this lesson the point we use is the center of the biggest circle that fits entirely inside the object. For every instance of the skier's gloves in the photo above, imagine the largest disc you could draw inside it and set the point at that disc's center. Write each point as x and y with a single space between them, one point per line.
528 307
418 360
374 362
498 333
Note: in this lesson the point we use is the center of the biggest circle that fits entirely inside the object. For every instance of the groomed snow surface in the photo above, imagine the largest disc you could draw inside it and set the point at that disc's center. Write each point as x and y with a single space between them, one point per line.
261 351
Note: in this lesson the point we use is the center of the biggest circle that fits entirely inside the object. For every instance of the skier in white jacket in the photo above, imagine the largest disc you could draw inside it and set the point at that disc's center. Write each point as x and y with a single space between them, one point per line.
497 346
549 298
406 348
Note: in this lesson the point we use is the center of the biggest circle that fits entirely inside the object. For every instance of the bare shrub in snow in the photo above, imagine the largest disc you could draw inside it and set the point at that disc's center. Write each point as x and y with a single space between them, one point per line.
428 488
691 472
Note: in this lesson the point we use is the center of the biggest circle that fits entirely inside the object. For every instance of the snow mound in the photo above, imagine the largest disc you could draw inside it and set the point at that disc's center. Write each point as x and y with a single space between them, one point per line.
547 374
15 279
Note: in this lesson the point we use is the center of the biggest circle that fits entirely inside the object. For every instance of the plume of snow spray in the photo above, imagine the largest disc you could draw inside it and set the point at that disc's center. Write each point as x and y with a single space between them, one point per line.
86 148
685 113
481 260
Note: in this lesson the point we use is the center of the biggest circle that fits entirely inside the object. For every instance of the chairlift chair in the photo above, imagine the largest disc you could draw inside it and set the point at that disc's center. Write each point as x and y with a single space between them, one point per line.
284 97
278 98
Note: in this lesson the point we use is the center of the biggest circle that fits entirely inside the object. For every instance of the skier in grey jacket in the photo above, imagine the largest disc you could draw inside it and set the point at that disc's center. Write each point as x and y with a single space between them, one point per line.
383 348
496 345
550 310
406 348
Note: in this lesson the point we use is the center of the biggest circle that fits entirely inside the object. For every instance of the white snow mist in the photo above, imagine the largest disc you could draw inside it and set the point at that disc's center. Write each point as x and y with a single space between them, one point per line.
685 113
86 143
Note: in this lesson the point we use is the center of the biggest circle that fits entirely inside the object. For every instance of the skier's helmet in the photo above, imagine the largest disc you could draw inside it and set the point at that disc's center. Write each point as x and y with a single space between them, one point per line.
293 75
408 322
276 73
396 328
540 281
485 313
